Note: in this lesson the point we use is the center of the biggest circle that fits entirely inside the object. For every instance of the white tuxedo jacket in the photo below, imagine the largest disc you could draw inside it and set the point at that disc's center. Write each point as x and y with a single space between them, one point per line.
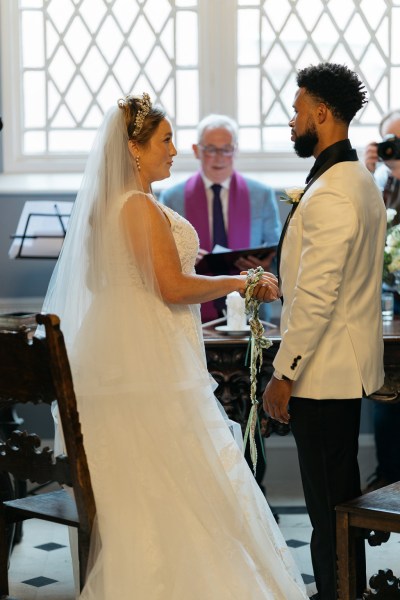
331 274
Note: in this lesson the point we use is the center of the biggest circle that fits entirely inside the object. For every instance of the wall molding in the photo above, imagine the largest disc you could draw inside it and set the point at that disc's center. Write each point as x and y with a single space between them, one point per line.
28 304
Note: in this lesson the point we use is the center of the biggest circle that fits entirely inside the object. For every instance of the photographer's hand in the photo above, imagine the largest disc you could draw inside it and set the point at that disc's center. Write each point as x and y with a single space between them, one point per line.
371 156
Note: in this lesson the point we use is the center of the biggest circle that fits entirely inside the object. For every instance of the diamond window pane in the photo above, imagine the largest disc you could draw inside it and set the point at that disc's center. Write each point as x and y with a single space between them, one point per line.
61 69
126 69
374 10
94 69
277 11
78 98
158 68
358 31
340 11
60 12
310 11
109 93
157 12
63 119
77 39
92 12
109 39
142 39
167 39
293 38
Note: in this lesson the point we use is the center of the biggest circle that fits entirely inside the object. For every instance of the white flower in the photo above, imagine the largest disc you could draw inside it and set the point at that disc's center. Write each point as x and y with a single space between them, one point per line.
292 195
390 214
395 264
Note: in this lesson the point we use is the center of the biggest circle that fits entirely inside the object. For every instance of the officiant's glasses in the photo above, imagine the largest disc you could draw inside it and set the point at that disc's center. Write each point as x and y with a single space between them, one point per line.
213 150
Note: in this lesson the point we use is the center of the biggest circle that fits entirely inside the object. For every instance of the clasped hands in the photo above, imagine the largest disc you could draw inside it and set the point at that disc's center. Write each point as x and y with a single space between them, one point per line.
267 289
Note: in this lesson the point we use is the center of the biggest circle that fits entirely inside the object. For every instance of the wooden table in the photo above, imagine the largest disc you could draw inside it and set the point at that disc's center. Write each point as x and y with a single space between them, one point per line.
226 363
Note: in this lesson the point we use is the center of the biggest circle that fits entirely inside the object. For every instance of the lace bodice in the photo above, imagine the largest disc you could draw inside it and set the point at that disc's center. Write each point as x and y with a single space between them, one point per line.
186 239
187 243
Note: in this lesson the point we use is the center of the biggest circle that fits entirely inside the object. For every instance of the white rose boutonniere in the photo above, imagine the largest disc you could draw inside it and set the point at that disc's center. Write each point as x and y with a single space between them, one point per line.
292 195
391 265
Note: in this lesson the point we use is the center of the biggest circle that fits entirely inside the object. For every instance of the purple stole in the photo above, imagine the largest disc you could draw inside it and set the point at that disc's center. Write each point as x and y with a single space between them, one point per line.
239 219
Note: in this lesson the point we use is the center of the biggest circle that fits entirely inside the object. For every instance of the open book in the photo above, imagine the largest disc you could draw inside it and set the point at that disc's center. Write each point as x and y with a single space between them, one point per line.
223 263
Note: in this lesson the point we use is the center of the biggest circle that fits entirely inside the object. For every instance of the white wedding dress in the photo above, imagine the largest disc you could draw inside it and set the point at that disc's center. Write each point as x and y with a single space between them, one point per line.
179 514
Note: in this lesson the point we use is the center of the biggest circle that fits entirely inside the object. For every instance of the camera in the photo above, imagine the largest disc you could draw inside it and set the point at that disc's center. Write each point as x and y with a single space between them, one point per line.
389 149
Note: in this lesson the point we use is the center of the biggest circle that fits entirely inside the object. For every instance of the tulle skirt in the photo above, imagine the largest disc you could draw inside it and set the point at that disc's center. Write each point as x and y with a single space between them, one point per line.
179 513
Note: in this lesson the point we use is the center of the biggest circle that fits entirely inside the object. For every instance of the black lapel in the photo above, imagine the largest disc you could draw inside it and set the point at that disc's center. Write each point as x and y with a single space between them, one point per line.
335 156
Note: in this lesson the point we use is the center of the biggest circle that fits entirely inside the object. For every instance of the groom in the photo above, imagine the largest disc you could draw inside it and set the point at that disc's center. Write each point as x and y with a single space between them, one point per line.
331 257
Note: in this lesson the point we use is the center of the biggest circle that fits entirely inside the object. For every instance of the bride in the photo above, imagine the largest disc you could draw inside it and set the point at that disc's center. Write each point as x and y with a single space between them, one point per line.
179 514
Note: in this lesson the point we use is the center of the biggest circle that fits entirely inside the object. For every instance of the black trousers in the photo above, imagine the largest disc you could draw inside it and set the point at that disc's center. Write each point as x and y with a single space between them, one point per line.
326 434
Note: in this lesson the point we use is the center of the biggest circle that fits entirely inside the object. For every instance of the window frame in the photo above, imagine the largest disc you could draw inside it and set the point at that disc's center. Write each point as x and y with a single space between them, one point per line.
217 85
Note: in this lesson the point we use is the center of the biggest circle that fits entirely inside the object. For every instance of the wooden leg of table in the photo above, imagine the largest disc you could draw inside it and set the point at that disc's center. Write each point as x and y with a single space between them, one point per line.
346 563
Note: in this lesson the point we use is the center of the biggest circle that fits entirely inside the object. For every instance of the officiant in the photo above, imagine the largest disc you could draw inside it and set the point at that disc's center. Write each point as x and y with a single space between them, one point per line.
225 208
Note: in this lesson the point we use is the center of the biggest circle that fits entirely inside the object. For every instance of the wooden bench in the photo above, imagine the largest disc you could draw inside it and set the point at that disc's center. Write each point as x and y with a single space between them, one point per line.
377 511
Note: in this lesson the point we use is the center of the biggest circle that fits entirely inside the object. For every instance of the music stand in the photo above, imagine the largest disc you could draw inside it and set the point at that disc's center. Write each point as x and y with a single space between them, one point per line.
41 229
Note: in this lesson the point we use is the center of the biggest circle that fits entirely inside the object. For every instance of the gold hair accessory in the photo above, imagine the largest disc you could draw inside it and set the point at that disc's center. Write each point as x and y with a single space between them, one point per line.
144 109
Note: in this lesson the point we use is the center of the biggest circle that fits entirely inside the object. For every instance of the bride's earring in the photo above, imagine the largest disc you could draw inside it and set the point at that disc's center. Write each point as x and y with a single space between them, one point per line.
137 159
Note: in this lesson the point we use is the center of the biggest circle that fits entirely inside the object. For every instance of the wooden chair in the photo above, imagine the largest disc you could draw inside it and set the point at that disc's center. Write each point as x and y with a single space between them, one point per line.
37 370
377 511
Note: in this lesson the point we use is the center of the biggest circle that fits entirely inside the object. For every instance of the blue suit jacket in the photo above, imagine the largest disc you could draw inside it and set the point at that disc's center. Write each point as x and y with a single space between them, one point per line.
265 226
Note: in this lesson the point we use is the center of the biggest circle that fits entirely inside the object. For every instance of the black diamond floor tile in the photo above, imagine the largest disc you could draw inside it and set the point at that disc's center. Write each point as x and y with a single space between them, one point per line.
39 581
296 543
50 546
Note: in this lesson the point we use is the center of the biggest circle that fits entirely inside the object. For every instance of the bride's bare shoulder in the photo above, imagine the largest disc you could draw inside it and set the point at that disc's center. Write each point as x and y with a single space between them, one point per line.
137 202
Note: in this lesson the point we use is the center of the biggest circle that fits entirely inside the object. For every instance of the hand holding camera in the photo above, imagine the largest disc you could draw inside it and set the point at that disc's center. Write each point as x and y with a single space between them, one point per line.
388 150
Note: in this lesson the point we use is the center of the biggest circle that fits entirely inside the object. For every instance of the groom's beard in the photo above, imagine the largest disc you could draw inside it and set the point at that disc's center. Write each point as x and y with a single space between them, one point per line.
304 144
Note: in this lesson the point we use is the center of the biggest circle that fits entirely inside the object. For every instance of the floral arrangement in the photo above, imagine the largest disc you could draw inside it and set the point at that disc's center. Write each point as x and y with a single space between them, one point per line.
391 264
292 195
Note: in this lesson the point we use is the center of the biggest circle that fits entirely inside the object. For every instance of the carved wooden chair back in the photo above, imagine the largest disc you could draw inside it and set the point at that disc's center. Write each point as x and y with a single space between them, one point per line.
37 370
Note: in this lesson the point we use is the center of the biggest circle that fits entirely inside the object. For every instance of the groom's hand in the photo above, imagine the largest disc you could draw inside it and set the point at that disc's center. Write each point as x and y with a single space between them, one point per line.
267 289
276 399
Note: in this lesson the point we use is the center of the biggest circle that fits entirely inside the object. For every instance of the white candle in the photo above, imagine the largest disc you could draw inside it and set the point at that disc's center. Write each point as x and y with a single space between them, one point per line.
236 316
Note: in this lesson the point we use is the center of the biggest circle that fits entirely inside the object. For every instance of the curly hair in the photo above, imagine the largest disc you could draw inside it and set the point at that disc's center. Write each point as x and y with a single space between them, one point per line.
132 105
336 86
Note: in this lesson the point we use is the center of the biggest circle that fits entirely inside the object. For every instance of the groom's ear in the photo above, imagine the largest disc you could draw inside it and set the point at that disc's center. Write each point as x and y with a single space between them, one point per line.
322 113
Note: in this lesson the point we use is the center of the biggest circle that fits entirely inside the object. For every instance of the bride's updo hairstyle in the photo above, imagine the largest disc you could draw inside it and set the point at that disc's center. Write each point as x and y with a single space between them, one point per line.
141 118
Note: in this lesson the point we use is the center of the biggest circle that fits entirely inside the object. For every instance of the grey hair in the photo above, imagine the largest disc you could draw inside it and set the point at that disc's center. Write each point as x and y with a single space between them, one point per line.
214 121
393 115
